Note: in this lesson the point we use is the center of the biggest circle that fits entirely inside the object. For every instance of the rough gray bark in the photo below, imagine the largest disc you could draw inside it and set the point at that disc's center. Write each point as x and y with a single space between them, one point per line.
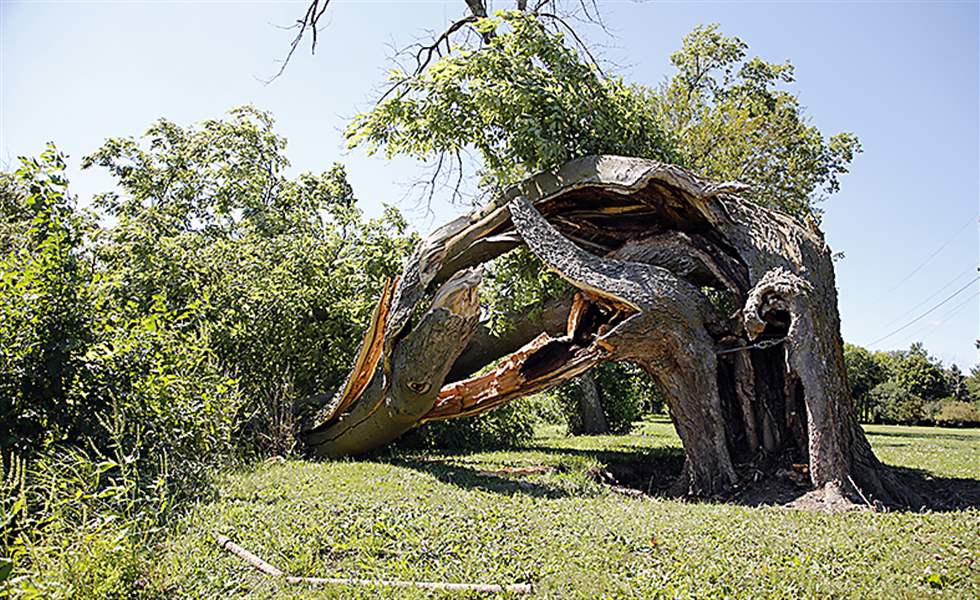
641 241
592 421
404 387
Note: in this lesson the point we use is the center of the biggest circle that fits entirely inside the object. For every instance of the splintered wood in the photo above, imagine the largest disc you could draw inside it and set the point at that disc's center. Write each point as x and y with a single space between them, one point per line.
370 353
523 372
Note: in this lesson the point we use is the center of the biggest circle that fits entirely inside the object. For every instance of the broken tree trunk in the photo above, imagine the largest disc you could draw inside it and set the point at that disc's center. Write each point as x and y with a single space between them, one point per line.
731 307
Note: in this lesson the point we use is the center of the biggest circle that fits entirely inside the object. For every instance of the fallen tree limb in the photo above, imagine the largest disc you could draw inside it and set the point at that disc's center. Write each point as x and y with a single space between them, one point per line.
268 569
242 553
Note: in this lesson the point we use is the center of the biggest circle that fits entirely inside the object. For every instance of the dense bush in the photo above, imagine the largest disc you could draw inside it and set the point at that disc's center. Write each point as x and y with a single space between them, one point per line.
285 271
508 426
137 358
891 403
626 393
46 309
957 413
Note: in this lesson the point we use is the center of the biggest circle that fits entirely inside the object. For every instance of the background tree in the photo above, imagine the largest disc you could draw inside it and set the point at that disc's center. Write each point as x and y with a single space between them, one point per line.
920 374
908 387
285 270
973 383
864 373
731 118
956 383
895 404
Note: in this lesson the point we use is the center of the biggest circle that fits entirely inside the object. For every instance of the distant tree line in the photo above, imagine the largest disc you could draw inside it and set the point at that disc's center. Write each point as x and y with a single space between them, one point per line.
910 387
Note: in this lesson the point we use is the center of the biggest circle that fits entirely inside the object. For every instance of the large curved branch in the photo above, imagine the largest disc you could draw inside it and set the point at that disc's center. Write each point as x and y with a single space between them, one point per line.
676 232
401 393
485 347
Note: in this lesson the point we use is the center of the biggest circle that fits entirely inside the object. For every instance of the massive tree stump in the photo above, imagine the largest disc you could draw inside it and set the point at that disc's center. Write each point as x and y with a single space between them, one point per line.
729 306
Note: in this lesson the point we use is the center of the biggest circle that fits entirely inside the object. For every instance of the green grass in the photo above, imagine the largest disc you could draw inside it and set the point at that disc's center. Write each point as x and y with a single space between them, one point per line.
445 518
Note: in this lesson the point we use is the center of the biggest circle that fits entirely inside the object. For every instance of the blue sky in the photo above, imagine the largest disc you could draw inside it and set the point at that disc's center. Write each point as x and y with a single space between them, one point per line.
902 76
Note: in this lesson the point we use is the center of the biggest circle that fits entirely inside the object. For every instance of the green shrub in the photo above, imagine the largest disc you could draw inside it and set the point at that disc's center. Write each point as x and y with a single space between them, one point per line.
286 271
892 403
46 309
626 393
85 526
168 395
508 426
957 413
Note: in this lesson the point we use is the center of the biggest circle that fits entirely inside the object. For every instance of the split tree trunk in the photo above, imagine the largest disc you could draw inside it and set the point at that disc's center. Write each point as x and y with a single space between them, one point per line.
646 245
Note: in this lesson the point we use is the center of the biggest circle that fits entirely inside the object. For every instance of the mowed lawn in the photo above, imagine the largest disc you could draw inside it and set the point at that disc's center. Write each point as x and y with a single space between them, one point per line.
473 518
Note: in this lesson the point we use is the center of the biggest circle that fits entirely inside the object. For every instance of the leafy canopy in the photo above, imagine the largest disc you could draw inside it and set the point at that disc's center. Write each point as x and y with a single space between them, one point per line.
731 119
525 101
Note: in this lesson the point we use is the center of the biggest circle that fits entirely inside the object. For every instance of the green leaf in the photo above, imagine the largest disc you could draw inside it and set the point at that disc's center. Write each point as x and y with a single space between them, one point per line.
6 568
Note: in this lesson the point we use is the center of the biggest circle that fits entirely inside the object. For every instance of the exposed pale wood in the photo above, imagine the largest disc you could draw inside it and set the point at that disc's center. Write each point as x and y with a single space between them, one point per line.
512 378
368 356
226 544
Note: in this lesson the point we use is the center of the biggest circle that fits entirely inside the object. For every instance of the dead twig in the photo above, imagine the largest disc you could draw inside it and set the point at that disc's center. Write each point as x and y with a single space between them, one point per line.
268 569
860 493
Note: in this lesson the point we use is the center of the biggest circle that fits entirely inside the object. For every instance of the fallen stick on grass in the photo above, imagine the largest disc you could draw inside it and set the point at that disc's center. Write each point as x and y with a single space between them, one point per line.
268 569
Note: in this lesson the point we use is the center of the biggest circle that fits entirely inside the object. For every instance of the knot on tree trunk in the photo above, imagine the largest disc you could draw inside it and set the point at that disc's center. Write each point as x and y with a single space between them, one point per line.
777 290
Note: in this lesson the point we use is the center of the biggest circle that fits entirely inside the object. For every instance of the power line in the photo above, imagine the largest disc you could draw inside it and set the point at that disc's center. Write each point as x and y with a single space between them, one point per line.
931 328
925 314
928 298
931 256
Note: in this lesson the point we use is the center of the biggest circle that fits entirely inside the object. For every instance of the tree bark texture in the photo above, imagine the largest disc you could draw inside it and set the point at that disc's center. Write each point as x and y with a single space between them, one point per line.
731 308
591 419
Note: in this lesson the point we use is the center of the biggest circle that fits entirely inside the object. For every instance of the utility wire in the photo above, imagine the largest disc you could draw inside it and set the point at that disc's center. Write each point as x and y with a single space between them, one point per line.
931 328
925 314
945 286
931 256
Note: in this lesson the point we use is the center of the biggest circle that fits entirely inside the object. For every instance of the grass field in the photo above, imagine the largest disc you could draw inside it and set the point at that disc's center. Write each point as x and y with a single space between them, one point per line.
464 518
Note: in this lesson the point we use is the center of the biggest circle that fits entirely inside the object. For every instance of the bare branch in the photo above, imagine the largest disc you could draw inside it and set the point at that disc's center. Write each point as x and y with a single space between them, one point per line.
578 40
309 21
428 51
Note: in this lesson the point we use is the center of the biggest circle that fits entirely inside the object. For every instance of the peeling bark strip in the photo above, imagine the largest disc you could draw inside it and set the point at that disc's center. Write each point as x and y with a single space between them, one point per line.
368 357
641 241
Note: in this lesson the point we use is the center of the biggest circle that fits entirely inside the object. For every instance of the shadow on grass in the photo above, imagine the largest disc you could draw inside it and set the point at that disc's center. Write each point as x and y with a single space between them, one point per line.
469 478
957 437
941 494
652 472
652 469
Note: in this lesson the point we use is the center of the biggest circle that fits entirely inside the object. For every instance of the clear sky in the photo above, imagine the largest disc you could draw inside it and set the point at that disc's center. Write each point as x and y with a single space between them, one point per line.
903 76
